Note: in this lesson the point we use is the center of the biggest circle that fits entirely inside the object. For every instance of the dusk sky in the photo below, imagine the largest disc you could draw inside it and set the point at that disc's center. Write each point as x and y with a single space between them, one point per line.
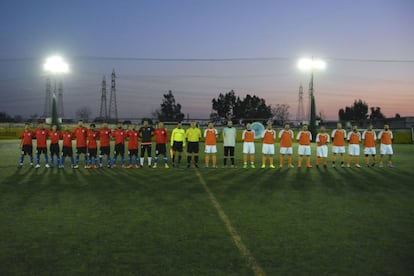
368 47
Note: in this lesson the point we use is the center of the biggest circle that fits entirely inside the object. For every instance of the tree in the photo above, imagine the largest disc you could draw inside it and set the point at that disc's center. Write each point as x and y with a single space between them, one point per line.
224 106
280 113
357 112
376 114
170 111
4 117
83 113
397 115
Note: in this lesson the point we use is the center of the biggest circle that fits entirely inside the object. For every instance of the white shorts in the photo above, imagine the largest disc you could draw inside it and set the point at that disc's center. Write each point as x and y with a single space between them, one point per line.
268 149
386 149
210 149
370 151
286 150
353 149
248 147
304 150
322 151
336 149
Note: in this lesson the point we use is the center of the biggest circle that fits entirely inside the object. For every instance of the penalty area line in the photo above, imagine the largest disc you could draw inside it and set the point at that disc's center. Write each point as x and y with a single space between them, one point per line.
251 261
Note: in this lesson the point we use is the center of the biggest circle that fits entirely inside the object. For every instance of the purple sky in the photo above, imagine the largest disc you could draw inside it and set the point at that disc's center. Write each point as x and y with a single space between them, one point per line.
365 33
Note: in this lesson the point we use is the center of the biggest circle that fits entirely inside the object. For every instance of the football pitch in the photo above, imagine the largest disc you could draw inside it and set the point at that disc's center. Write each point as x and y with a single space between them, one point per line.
334 221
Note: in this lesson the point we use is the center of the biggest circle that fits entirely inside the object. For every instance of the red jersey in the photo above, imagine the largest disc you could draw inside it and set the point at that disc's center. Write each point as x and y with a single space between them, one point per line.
119 135
92 137
133 136
80 134
27 137
55 136
161 136
105 137
67 138
41 137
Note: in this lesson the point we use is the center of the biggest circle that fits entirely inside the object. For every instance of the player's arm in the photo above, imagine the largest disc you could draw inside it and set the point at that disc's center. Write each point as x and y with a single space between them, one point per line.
298 136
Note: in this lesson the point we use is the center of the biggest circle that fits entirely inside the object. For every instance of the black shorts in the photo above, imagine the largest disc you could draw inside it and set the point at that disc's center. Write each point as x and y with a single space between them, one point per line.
81 150
93 152
147 148
54 149
119 149
133 152
27 150
160 149
228 151
177 146
106 150
67 151
193 147
41 150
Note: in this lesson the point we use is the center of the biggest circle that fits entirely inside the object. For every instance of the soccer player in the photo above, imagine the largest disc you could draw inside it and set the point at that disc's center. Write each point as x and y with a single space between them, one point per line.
193 136
385 137
67 150
146 132
55 136
210 136
322 141
133 137
229 142
338 139
268 147
248 146
80 135
161 139
304 138
105 144
41 134
285 139
120 135
177 143
369 136
92 147
354 138
26 144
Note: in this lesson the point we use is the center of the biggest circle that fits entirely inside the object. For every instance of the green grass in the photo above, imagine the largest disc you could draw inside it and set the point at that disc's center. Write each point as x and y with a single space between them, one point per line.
161 222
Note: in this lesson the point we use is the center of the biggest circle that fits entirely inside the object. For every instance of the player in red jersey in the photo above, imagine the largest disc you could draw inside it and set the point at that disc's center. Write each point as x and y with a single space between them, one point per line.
26 144
80 135
120 135
161 140
105 144
133 136
41 134
92 147
67 150
54 136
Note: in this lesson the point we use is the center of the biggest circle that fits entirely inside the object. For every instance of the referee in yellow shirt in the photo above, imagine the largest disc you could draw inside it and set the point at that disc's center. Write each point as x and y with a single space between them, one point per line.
177 143
193 136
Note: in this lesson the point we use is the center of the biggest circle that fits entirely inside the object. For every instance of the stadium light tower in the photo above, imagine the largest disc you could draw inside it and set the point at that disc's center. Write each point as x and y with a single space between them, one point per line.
312 65
56 66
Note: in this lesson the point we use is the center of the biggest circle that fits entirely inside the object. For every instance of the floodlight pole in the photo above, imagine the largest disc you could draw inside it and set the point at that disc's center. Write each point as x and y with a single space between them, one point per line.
312 119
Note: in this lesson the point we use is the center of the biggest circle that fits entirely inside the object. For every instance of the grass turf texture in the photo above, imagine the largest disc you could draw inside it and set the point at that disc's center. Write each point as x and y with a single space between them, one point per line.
156 222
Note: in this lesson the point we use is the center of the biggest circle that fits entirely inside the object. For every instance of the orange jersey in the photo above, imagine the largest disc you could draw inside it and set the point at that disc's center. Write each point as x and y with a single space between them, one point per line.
285 138
248 135
338 137
210 135
386 137
369 138
322 139
354 137
269 136
304 138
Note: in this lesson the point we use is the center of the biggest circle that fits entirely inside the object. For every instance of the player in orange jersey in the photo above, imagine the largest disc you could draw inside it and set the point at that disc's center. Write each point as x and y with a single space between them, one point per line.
354 138
210 136
248 146
385 137
304 138
338 144
285 139
368 138
26 144
268 147
322 141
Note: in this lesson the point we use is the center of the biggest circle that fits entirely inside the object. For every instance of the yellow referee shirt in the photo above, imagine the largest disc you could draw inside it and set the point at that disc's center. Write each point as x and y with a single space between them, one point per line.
193 134
178 135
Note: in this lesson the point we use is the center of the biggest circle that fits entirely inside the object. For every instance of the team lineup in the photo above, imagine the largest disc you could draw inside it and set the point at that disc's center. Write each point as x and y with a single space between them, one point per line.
87 140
